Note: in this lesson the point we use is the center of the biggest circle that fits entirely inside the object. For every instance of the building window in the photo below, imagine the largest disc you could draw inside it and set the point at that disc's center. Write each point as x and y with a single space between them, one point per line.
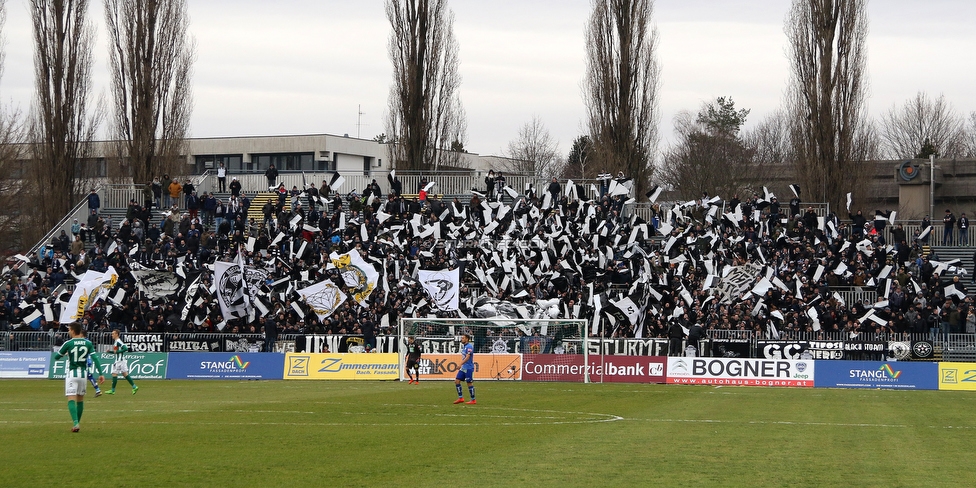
233 162
283 161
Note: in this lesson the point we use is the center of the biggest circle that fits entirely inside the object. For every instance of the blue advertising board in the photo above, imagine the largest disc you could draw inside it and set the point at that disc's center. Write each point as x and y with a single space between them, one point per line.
877 374
225 366
33 364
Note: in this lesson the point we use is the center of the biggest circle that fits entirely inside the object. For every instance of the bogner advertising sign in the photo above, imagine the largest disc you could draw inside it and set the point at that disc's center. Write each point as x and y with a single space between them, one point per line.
740 371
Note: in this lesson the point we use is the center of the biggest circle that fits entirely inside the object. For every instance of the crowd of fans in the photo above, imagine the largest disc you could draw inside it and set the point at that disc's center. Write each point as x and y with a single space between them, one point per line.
557 244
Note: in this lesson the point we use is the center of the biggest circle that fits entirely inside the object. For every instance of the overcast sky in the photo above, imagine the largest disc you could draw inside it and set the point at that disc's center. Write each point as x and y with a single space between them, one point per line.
309 66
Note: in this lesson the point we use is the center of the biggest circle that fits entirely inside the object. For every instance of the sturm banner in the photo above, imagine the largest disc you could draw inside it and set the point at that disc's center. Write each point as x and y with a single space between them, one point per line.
742 372
144 342
192 344
336 343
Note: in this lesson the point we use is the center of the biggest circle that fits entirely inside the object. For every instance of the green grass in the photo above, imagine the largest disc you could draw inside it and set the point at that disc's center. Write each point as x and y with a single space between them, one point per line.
318 433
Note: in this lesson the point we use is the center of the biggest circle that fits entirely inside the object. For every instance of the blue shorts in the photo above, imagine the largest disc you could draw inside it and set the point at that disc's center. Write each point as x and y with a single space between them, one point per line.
465 374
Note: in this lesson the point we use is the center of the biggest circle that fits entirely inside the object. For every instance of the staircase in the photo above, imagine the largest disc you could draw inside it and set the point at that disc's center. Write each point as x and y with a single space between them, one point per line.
257 203
963 254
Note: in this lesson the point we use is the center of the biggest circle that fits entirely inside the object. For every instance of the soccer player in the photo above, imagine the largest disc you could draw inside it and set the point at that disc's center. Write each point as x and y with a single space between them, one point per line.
413 361
77 350
466 371
121 366
91 376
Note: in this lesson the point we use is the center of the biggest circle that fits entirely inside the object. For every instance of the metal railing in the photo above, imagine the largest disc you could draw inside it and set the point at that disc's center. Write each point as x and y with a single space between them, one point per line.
79 211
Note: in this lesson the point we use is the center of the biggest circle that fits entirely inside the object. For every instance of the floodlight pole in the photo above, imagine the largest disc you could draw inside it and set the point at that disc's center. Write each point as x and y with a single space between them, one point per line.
931 186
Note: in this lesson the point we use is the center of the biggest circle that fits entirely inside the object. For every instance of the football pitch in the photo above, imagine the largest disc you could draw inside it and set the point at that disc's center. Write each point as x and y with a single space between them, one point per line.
322 433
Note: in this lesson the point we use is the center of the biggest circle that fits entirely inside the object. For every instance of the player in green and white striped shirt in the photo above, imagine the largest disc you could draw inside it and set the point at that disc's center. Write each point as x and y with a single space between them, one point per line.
121 366
77 350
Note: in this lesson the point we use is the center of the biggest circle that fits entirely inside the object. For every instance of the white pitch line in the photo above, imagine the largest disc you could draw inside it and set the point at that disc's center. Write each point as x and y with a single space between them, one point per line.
771 422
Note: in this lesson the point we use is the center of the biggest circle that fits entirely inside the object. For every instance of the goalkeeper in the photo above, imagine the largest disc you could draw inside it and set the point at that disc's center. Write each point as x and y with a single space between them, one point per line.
413 361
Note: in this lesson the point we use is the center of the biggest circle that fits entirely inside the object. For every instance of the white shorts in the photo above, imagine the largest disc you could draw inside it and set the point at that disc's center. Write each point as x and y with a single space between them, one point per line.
120 368
75 386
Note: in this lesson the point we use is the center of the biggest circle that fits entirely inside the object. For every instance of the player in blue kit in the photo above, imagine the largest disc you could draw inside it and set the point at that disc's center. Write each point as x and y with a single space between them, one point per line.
466 371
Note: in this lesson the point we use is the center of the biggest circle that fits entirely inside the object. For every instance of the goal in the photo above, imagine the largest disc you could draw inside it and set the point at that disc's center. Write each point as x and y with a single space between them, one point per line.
503 348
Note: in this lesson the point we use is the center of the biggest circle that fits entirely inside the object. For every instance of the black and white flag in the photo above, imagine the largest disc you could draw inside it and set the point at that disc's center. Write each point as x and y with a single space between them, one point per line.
442 286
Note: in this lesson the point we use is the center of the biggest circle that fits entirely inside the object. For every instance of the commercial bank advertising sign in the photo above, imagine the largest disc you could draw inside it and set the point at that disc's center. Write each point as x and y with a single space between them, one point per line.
608 369
225 366
876 374
25 364
740 372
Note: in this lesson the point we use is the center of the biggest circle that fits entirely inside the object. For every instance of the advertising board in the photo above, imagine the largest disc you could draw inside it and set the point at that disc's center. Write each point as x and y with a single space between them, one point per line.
741 372
26 364
876 374
142 365
957 376
486 366
609 369
225 366
349 366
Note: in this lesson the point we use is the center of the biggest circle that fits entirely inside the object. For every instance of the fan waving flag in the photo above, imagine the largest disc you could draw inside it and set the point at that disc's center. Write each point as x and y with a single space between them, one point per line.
323 298
358 275
229 278
442 286
336 181
92 287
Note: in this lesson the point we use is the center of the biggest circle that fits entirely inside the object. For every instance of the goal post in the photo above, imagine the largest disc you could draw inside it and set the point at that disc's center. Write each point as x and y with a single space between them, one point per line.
500 346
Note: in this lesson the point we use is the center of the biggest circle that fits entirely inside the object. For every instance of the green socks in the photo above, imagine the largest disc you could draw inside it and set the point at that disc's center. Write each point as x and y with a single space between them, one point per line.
115 381
81 409
73 409
129 379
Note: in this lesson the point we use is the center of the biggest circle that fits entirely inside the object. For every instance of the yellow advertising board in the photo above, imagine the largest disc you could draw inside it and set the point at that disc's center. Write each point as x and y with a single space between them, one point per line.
486 366
957 376
348 366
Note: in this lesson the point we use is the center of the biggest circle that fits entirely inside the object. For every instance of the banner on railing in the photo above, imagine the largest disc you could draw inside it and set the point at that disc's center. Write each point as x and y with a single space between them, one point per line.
743 372
193 343
341 344
34 364
225 366
731 348
876 374
957 376
144 342
149 365
315 366
628 347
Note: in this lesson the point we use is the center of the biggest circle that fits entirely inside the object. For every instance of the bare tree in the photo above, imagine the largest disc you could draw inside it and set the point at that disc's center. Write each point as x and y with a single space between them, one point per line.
151 57
621 87
534 151
17 207
709 156
578 161
971 136
921 122
63 124
831 137
771 149
425 115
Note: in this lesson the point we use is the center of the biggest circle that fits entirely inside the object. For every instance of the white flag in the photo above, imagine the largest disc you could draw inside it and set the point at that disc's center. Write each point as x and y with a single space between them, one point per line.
442 286
323 298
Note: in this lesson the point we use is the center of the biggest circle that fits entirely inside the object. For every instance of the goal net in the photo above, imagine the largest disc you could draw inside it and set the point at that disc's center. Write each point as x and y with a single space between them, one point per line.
503 348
